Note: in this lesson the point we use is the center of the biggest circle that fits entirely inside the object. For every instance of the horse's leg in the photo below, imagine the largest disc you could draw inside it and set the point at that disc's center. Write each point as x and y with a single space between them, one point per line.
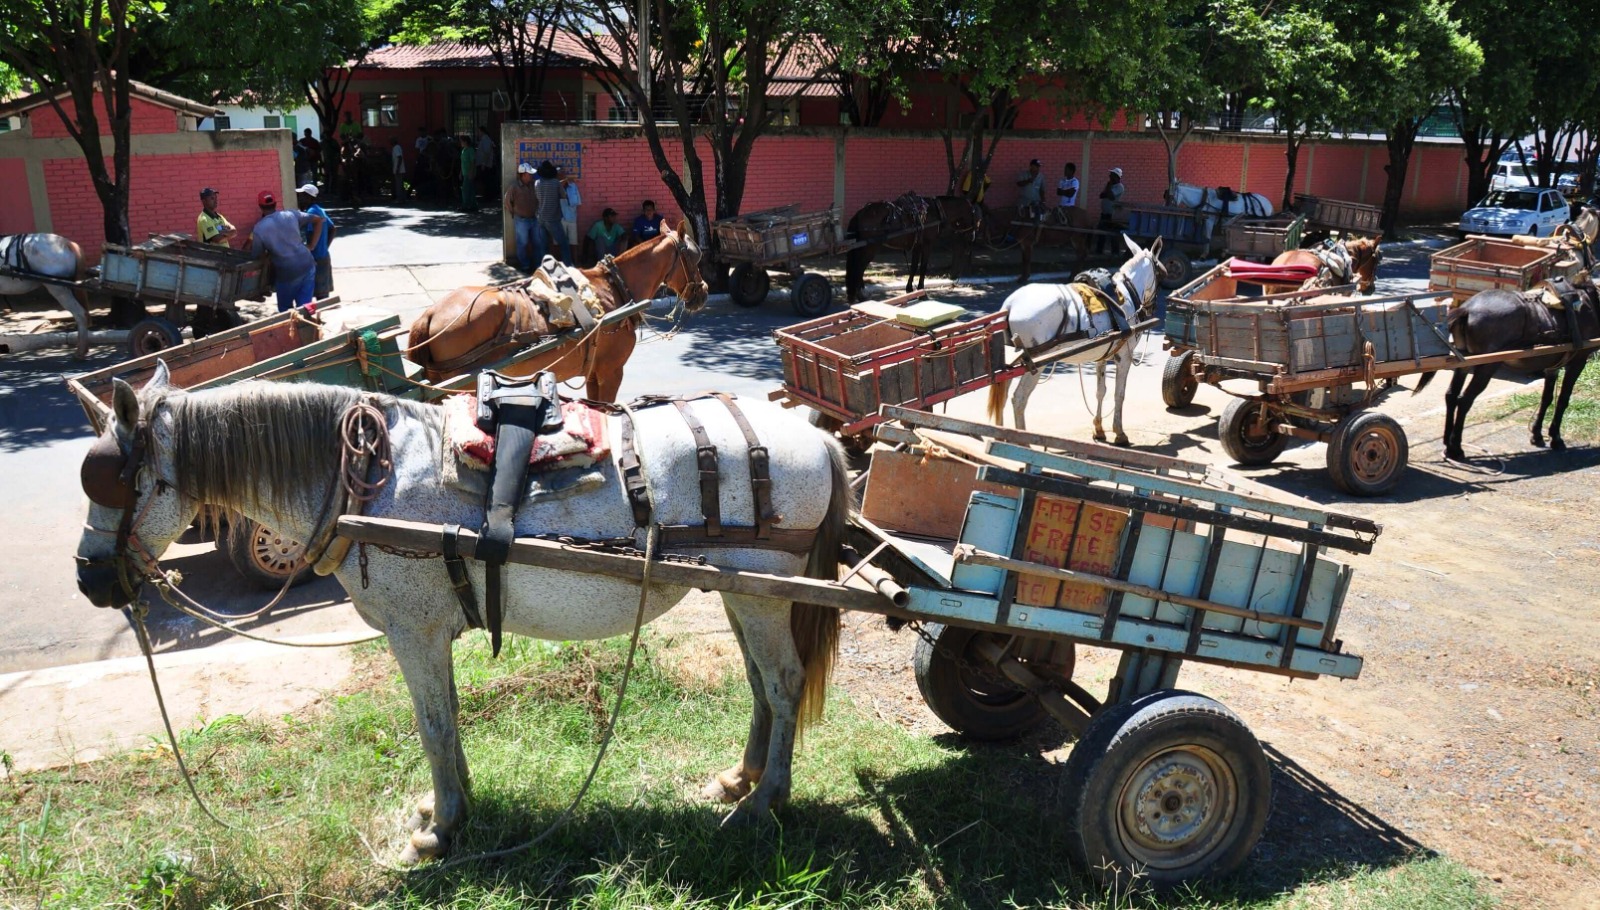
1452 398
80 315
424 659
1574 369
424 809
769 646
1480 381
1099 399
1124 367
1535 437
1026 383
735 784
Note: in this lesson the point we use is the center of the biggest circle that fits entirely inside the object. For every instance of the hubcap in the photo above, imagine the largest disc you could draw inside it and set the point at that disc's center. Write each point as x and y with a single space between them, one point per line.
1177 807
275 553
1375 455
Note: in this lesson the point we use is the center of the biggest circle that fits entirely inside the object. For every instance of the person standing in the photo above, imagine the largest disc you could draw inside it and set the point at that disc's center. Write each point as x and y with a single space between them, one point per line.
485 162
1031 198
397 167
607 236
422 175
469 173
306 198
350 130
1109 197
647 226
210 226
549 190
313 153
1067 187
523 204
277 238
570 200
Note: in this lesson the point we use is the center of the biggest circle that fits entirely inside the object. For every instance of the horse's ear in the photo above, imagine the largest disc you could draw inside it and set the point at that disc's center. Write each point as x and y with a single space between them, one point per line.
686 229
160 380
125 405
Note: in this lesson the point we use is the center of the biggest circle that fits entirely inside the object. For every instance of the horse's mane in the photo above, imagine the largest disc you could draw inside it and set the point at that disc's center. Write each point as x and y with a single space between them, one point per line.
255 445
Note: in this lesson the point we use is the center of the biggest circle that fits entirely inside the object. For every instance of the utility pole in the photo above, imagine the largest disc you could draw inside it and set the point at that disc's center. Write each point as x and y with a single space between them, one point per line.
644 57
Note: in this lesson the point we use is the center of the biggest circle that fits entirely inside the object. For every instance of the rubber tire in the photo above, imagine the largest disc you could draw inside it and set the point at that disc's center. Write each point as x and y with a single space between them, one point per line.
1373 440
1126 737
152 334
978 714
811 295
1178 382
748 285
213 321
1230 432
1179 267
249 546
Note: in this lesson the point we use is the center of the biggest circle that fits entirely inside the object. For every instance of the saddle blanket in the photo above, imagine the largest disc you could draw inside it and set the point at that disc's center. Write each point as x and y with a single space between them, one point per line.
1092 297
1255 272
580 443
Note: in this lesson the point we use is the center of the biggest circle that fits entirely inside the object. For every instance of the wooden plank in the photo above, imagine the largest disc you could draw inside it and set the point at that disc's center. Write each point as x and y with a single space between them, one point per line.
422 536
1097 451
899 487
1173 509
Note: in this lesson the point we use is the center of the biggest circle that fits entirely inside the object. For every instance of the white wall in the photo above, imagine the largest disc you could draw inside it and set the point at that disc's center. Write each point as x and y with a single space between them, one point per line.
243 118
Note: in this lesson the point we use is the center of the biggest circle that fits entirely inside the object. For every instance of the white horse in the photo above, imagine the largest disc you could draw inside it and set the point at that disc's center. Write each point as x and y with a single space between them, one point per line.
1041 313
1209 200
272 450
53 256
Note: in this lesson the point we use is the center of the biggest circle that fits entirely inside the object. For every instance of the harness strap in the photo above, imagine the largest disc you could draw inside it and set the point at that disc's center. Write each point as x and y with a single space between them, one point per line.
706 458
450 545
760 462
633 472
614 275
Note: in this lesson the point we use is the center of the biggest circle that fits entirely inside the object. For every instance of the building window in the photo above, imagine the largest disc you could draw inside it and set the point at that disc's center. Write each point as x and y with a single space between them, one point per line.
468 111
271 122
591 107
223 122
380 110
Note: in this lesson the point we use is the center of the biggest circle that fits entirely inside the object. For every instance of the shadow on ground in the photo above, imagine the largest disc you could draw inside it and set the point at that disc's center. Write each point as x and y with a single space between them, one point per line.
35 405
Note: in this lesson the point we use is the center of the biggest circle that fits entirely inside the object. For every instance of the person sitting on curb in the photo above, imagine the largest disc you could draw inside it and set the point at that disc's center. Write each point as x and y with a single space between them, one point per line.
606 237
648 225
277 237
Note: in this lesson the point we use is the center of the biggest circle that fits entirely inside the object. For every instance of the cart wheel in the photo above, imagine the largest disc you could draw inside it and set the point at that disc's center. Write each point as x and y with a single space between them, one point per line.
1242 440
1367 454
1167 788
965 692
263 556
152 334
748 285
1178 383
811 295
1179 269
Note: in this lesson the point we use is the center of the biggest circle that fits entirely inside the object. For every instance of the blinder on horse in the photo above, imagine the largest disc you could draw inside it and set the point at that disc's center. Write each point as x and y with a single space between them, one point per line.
109 477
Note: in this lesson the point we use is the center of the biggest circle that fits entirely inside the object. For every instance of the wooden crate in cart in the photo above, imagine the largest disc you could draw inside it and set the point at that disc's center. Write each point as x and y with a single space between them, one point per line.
1262 240
779 238
1485 263
848 365
1340 215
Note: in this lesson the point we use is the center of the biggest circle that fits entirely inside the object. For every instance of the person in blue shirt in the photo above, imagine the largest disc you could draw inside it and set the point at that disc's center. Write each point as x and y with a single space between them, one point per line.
306 198
648 225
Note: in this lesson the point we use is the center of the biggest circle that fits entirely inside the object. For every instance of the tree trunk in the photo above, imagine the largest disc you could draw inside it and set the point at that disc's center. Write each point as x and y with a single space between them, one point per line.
1291 154
1401 139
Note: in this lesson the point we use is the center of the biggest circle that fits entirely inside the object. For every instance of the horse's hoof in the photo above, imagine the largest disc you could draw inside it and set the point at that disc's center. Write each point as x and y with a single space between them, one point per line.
422 815
1556 445
1536 441
727 787
1455 455
424 845
1122 442
1099 437
747 815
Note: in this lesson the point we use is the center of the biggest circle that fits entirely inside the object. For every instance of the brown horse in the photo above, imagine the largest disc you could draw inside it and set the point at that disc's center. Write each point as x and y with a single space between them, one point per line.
1069 224
1345 262
475 326
910 224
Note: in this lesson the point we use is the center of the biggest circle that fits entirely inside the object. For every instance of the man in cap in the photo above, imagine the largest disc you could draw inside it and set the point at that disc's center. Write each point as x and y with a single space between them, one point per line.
210 226
1030 202
606 237
1109 197
277 238
522 201
306 198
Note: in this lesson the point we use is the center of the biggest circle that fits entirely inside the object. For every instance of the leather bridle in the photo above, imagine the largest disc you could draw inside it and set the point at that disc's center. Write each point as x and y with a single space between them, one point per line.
695 290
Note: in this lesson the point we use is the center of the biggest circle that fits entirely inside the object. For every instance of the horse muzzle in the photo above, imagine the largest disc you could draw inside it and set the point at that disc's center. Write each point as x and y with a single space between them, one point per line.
102 582
694 299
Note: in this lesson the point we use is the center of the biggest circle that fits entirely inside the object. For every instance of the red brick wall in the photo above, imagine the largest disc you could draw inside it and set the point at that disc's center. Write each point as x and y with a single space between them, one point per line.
1335 170
883 168
16 214
146 118
164 195
799 170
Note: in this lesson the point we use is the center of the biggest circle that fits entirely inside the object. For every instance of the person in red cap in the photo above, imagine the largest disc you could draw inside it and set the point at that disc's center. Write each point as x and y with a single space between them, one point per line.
277 237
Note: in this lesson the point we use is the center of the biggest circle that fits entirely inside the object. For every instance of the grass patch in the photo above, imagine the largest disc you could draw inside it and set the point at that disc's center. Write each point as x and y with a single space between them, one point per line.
1582 421
880 818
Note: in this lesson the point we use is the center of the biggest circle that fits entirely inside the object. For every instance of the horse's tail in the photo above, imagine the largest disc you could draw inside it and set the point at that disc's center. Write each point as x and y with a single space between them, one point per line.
816 628
80 272
1423 382
997 402
417 349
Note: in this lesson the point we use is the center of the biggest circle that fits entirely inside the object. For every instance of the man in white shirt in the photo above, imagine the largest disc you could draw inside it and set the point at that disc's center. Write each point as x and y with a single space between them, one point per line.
397 165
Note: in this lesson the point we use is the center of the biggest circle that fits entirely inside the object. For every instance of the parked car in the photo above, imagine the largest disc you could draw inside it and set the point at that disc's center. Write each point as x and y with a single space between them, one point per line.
1523 210
1509 174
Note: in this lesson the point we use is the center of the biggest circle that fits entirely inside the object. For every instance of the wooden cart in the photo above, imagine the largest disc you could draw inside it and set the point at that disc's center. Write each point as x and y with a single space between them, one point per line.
780 239
1340 215
1263 240
1050 545
289 347
1189 235
1318 363
178 272
1482 263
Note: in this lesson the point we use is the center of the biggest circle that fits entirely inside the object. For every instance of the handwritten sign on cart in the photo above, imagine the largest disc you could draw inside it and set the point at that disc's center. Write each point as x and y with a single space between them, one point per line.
1070 534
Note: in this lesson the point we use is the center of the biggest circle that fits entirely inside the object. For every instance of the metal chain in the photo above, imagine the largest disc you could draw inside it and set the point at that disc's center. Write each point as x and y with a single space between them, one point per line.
982 671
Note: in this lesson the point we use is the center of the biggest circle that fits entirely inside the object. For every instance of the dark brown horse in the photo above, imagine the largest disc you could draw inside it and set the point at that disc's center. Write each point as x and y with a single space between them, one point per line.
1062 226
476 326
1499 320
911 224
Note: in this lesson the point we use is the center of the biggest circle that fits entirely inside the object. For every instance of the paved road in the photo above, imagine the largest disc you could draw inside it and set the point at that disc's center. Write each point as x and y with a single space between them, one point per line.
43 436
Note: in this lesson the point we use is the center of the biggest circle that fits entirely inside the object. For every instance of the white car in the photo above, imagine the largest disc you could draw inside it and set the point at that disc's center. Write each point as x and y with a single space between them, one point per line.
1521 210
1508 174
